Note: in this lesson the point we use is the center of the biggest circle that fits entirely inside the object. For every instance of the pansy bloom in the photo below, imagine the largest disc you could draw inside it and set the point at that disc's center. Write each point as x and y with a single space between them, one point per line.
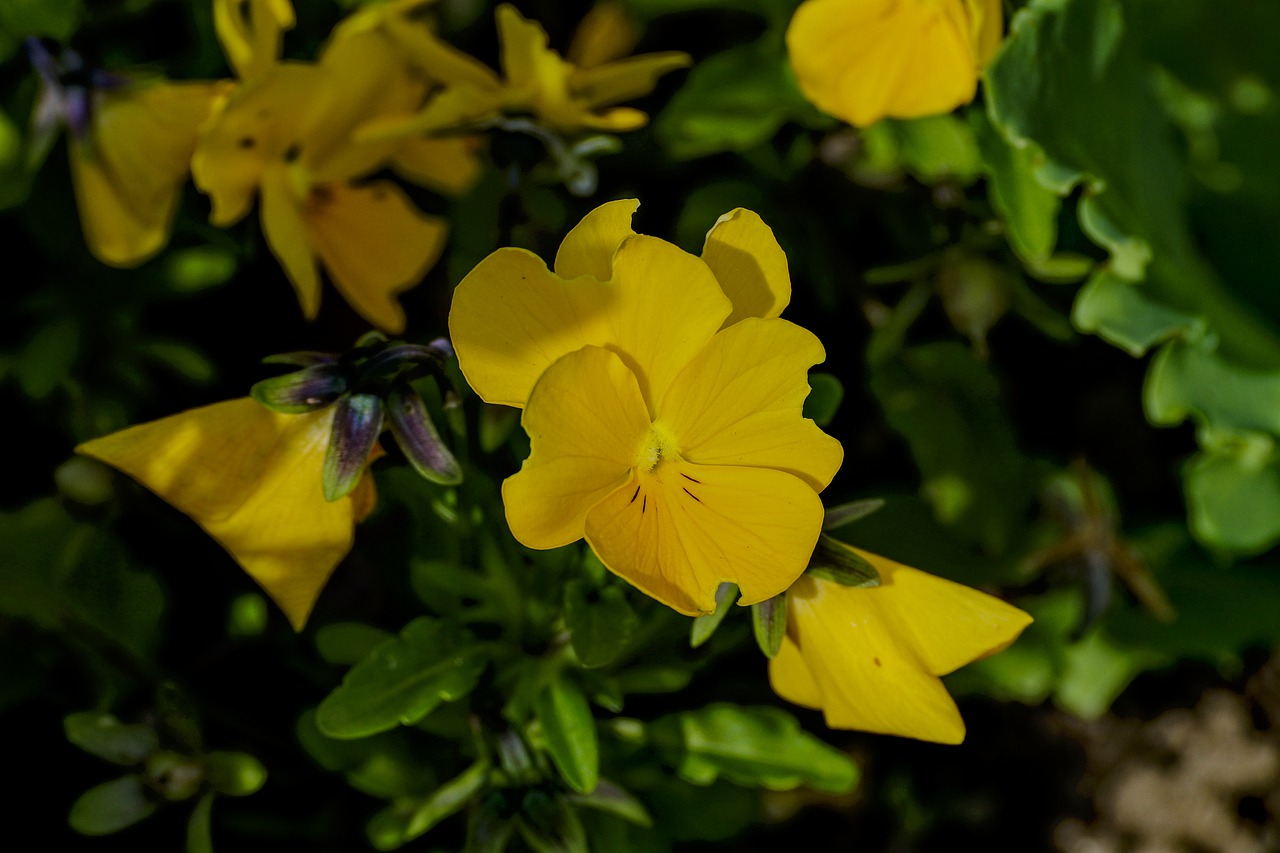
663 398
864 60
870 657
253 479
286 136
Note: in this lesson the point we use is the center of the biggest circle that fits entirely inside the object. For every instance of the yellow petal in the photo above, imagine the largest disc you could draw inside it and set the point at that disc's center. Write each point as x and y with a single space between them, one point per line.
262 122
364 80
790 678
448 165
624 79
741 402
252 479
986 20
128 178
250 32
589 246
455 108
374 243
286 233
512 317
749 264
605 34
863 60
875 654
677 532
945 624
585 421
867 678
402 21
526 59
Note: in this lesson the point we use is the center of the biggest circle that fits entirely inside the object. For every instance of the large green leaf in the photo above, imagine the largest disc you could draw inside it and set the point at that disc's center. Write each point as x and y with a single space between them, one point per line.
569 730
762 747
403 680
600 622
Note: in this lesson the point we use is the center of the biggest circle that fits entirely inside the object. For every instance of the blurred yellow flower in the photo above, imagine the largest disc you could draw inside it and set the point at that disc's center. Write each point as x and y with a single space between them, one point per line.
286 136
663 399
864 60
252 479
870 658
565 97
130 144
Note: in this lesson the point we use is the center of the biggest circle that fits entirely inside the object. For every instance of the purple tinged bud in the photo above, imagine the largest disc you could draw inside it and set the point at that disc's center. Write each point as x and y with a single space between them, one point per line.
416 434
357 423
302 391
77 110
442 346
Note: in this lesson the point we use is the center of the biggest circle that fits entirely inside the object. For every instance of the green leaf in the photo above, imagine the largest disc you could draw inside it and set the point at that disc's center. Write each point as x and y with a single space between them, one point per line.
236 774
402 681
409 819
762 747
200 826
1122 313
47 359
56 19
611 799
833 561
704 626
348 643
384 765
569 730
182 359
1233 492
1027 207
733 101
600 622
106 737
945 402
1095 671
937 147
824 398
110 807
847 513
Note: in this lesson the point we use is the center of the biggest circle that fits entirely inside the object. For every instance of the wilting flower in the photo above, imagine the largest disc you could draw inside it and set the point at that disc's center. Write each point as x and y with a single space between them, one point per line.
864 60
663 399
130 143
870 658
563 96
286 135
252 479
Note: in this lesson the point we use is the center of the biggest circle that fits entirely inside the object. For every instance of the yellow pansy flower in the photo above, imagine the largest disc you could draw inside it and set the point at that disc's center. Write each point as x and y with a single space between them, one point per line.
870 658
864 60
663 399
130 144
535 79
252 479
285 136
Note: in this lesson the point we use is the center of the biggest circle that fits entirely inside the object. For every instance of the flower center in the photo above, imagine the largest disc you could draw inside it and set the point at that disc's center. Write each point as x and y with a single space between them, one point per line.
658 446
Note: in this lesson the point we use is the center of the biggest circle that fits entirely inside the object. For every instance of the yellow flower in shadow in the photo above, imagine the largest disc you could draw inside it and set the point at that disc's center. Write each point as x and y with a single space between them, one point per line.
252 479
864 60
663 400
562 95
130 143
870 658
285 136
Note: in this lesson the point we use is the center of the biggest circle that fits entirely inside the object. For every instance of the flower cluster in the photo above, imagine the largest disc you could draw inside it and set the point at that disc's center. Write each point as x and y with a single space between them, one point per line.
302 138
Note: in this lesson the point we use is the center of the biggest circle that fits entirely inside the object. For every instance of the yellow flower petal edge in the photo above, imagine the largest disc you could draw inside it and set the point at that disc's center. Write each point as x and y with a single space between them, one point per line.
870 658
252 479
863 60
512 317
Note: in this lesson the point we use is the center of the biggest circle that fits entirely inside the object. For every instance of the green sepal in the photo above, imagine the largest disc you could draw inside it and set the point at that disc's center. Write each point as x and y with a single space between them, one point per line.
832 561
848 513
704 626
769 623
306 390
108 738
